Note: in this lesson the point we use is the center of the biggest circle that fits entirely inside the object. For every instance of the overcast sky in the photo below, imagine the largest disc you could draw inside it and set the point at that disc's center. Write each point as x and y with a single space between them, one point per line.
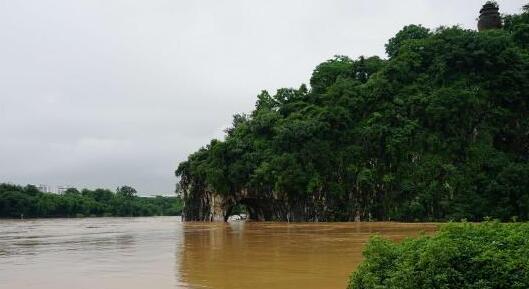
102 93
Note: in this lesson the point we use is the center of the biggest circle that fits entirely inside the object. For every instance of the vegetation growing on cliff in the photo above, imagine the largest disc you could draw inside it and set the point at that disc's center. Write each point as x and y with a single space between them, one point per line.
439 130
17 201
462 256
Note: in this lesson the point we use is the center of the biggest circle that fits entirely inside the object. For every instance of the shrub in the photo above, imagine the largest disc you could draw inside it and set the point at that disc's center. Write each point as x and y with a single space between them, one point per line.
490 255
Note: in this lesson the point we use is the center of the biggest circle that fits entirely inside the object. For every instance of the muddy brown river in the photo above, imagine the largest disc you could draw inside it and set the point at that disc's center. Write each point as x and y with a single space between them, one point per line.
162 252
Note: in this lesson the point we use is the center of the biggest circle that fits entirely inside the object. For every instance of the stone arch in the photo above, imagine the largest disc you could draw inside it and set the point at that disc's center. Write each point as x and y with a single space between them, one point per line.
257 209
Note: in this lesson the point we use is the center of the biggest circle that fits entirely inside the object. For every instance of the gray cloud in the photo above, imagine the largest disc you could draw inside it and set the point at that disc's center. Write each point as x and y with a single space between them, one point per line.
106 93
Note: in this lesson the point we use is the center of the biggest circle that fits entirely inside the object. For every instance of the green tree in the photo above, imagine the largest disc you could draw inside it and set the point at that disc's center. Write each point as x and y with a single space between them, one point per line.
126 192
408 33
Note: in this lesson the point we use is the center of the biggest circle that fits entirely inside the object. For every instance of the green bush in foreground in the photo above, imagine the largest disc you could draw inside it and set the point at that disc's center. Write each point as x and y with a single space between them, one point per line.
460 256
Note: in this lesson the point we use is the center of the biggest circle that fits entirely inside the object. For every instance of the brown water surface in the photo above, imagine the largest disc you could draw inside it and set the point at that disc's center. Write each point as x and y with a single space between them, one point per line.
160 253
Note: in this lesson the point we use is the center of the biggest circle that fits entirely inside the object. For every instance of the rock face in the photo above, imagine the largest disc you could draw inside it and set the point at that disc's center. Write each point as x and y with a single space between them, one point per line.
489 17
201 204
204 206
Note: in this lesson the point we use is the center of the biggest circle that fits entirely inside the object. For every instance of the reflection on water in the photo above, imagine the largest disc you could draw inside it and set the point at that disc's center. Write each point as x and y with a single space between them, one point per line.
165 253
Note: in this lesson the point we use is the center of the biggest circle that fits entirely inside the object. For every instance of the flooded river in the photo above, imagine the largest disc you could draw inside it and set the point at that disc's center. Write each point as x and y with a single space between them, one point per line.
162 252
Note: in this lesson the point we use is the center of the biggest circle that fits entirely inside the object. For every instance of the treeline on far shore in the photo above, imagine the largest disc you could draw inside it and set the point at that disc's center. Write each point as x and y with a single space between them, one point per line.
28 202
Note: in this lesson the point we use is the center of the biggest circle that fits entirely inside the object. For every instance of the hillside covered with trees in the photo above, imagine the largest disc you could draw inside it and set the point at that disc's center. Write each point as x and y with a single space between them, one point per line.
439 130
29 202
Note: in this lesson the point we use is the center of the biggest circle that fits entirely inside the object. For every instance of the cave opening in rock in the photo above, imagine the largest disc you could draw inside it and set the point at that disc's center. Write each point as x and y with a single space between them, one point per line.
250 209
236 212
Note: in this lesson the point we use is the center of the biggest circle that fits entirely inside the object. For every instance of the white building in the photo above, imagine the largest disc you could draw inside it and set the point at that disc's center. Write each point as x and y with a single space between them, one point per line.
62 189
43 188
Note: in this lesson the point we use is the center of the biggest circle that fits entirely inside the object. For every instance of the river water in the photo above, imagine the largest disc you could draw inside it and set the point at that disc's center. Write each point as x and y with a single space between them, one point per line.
162 252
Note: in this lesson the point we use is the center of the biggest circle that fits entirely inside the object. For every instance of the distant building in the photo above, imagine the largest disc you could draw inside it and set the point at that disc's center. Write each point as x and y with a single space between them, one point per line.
62 189
43 188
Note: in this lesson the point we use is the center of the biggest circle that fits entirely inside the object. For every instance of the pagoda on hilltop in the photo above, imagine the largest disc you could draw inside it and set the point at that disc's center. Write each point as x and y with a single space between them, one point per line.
489 17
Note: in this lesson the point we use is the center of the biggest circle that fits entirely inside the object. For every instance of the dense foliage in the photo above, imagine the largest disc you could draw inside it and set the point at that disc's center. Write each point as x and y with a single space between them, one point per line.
17 201
462 256
439 130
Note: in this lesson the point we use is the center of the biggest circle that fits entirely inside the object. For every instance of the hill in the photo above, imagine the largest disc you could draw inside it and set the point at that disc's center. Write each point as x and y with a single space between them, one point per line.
439 130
